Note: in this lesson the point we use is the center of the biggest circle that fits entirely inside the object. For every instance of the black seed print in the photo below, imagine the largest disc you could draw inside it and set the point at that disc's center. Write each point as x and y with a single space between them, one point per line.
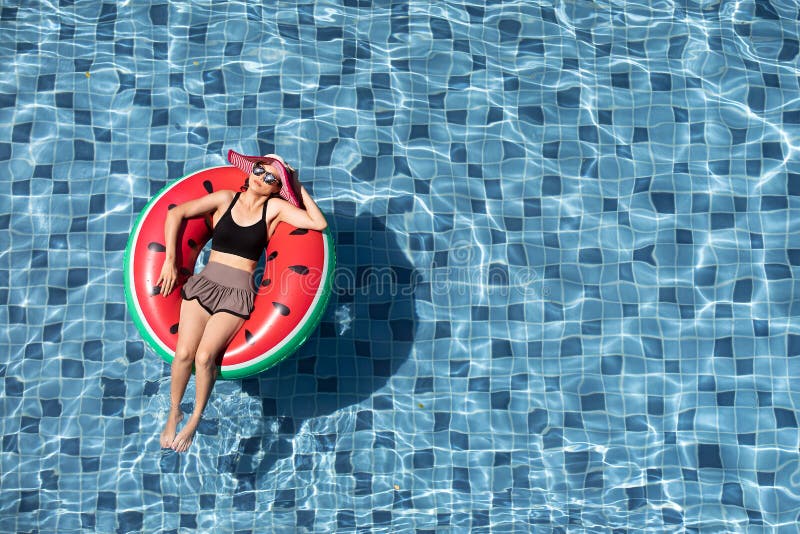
208 186
299 269
273 255
171 206
185 272
155 290
248 336
265 282
299 231
156 247
192 243
173 329
282 308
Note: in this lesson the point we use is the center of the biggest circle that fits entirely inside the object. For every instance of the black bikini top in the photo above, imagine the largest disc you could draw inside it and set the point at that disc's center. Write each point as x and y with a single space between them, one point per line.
244 241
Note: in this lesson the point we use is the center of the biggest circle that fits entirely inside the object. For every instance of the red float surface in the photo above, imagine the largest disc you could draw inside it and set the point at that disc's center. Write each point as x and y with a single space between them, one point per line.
293 274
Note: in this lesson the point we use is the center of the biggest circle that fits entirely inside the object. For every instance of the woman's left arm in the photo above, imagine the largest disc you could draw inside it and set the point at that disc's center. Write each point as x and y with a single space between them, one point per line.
311 218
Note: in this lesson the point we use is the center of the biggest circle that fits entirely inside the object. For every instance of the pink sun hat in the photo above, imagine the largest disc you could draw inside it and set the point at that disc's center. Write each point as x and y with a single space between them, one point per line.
288 176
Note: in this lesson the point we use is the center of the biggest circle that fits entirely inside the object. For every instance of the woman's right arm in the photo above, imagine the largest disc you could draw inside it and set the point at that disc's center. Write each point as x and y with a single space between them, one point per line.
175 216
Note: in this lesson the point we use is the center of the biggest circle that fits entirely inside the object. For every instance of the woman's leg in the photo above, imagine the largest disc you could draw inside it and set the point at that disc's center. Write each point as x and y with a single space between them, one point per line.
219 332
192 323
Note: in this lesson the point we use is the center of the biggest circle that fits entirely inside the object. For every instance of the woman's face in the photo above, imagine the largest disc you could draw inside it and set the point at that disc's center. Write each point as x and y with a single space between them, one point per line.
265 179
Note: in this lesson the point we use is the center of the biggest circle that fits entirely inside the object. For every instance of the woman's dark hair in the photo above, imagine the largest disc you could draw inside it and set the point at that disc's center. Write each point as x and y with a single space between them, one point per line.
245 185
294 182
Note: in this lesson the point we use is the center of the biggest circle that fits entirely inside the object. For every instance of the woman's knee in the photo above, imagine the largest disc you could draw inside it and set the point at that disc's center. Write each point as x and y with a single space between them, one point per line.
205 359
183 356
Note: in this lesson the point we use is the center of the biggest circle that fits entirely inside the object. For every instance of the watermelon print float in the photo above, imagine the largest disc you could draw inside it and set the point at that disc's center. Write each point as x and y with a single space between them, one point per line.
291 297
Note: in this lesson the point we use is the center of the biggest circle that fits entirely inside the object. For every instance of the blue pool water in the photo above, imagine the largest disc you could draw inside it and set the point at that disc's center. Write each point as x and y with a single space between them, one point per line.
567 236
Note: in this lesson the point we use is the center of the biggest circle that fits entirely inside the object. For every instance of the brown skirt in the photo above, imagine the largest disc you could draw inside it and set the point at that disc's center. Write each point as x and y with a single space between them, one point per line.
221 288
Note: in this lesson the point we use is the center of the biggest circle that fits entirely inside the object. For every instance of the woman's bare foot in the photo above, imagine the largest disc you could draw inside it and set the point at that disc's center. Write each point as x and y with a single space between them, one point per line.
186 435
168 434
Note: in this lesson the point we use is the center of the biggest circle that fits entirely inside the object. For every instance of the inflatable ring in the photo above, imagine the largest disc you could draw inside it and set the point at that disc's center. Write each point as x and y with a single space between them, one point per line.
290 300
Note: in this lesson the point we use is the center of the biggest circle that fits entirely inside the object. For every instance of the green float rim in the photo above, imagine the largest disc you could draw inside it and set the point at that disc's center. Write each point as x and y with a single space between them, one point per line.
284 349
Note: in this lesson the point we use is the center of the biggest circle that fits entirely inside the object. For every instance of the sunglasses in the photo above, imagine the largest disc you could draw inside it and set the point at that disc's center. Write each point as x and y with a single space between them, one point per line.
269 178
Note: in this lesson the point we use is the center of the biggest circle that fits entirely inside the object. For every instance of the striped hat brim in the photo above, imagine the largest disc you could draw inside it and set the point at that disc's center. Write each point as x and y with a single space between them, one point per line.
245 164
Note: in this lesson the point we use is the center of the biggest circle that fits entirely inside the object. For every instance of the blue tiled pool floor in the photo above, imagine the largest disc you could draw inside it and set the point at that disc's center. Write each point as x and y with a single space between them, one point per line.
565 297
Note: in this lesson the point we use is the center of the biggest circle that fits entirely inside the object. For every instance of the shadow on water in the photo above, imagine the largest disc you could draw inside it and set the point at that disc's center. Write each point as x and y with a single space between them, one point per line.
364 337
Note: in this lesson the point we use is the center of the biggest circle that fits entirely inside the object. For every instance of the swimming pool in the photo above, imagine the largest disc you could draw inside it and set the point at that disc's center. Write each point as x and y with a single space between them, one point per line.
566 245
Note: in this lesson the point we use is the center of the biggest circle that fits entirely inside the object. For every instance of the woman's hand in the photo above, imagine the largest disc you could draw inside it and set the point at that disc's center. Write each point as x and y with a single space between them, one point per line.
168 278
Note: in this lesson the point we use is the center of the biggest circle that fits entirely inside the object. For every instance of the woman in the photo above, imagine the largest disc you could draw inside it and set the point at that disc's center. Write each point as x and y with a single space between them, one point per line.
217 301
